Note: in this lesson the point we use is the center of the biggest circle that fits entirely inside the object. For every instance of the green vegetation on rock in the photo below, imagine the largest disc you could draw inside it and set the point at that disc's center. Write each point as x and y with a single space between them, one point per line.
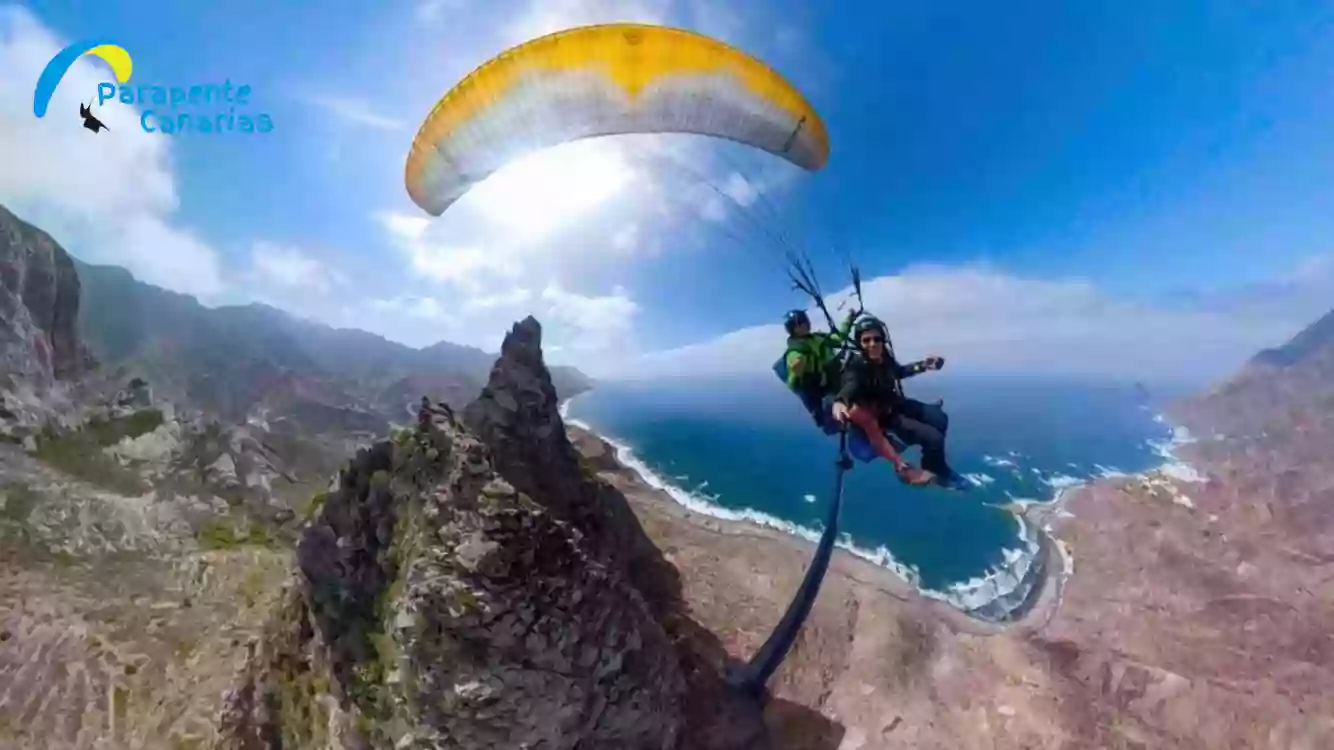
111 431
222 533
312 506
79 454
17 500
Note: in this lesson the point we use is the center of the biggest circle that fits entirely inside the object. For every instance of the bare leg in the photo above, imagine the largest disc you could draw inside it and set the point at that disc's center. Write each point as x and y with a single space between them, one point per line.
867 420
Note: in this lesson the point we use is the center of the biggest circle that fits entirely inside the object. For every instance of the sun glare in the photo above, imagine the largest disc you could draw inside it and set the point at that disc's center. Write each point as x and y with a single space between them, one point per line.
534 195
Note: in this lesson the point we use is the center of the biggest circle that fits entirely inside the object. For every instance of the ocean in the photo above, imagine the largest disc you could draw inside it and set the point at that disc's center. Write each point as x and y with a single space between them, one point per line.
745 449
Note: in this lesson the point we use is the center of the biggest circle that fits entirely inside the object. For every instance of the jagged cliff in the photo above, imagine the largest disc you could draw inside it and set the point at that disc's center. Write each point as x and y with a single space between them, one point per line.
39 306
473 591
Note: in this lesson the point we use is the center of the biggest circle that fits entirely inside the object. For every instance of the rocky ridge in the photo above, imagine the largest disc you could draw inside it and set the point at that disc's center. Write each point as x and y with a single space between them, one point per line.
39 303
483 590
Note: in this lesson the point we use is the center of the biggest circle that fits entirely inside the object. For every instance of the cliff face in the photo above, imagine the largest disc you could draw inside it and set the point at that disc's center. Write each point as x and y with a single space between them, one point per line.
464 592
517 416
39 306
450 610
1269 433
1201 611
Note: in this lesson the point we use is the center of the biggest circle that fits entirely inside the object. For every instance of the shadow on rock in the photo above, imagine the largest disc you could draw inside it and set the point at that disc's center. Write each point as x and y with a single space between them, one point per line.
517 417
476 588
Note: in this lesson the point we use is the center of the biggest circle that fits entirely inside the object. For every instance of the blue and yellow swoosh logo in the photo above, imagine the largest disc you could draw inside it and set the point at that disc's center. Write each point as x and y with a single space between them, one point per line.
113 55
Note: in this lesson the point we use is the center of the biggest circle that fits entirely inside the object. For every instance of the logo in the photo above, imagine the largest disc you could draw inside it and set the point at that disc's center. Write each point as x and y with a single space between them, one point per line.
113 55
166 109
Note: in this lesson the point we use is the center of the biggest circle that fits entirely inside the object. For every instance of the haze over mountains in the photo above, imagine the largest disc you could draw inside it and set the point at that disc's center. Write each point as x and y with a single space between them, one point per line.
235 359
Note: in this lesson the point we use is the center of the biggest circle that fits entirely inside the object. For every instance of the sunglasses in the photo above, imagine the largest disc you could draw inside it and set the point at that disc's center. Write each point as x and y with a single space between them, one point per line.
872 340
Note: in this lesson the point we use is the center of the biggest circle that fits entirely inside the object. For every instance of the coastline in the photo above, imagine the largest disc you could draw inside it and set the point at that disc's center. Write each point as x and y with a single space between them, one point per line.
1038 592
1158 640
1028 584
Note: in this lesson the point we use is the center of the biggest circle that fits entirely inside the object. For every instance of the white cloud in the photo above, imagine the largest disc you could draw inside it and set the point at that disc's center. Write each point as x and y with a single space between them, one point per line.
717 20
741 190
626 239
604 319
511 299
422 308
594 331
432 258
536 194
352 110
289 268
109 197
520 215
549 16
591 331
429 11
987 321
542 223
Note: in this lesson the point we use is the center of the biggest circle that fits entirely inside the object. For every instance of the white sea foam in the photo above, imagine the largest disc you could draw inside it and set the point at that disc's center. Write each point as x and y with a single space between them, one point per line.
1109 472
1062 481
989 595
1172 465
1001 588
1022 502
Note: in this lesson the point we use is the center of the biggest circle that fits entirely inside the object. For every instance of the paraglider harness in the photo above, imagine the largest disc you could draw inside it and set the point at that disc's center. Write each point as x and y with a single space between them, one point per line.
816 394
826 367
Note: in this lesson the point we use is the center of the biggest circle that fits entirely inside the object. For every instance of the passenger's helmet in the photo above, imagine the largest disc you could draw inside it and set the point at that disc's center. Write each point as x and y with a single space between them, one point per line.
795 318
869 323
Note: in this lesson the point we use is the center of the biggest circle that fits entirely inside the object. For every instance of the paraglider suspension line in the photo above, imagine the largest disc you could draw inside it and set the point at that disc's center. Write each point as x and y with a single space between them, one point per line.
750 679
791 139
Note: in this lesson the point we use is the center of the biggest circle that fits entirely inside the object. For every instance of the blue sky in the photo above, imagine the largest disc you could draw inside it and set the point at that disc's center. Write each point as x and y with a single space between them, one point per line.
1023 177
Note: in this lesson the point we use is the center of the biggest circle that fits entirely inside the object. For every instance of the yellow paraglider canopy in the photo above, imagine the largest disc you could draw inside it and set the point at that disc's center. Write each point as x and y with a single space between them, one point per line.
605 80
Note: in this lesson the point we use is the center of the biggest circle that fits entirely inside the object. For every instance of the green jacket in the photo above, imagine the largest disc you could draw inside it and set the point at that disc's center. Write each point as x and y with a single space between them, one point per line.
816 356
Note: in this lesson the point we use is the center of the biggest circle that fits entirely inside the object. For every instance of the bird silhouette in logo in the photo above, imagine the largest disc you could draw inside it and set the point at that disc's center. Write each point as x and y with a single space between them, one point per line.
90 120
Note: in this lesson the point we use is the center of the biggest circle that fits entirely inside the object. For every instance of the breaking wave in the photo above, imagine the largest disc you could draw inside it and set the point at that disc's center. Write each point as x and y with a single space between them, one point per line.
1002 590
992 595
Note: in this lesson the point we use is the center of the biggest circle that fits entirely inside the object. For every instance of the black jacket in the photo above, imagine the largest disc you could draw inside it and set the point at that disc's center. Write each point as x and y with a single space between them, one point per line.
867 382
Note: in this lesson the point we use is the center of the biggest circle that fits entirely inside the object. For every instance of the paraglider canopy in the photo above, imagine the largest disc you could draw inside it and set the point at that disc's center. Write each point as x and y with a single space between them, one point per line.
606 80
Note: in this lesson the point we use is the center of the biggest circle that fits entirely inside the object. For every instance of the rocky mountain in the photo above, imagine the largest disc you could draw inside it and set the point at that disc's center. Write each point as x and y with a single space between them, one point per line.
1202 610
1286 389
234 360
1306 348
42 355
1270 429
483 590
40 304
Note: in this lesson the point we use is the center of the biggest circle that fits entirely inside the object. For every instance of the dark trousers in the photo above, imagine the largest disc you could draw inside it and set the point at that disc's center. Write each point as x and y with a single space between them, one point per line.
924 425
